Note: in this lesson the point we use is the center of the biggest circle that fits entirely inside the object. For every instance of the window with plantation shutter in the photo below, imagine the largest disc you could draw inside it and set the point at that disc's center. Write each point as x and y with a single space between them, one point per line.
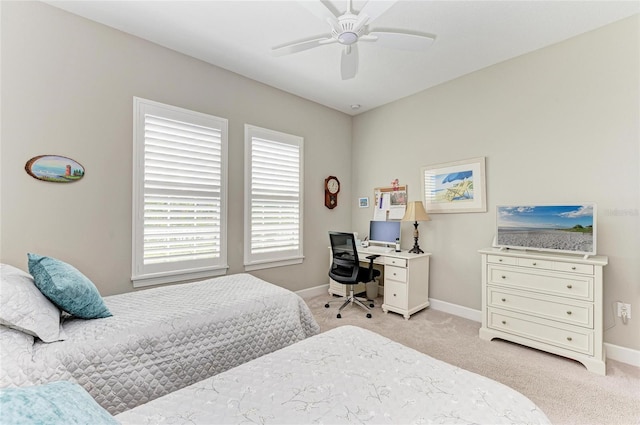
273 198
179 194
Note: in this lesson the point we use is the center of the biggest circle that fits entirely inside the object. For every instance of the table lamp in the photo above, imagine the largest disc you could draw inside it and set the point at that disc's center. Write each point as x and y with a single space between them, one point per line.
415 212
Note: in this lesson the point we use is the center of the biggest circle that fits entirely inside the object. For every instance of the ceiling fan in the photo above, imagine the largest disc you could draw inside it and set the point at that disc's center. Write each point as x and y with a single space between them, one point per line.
350 28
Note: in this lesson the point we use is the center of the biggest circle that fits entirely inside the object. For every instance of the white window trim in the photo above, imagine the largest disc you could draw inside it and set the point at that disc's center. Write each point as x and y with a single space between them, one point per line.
251 263
139 276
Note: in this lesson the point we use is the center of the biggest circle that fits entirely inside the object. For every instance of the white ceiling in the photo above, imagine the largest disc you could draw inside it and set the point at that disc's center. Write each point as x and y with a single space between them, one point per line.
239 35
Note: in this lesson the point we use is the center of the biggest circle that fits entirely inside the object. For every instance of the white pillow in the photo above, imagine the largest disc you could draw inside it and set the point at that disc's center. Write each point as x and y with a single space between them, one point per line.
16 353
24 308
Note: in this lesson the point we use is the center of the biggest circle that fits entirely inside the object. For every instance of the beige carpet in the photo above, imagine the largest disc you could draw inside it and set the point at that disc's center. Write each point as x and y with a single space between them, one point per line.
562 388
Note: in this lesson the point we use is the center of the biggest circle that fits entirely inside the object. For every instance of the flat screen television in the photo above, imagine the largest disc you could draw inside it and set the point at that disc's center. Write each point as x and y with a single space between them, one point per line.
384 232
569 228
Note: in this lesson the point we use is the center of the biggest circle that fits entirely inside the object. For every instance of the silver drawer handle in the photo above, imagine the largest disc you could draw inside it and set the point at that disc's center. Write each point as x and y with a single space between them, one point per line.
573 268
569 312
504 300
504 322
569 338
535 264
500 260
503 276
569 286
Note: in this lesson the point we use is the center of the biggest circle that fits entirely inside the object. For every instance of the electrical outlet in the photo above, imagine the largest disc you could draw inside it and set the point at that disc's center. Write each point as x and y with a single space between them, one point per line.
624 308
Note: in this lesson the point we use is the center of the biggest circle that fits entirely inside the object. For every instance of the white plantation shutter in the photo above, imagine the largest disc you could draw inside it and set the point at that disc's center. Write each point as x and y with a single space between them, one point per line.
273 203
179 194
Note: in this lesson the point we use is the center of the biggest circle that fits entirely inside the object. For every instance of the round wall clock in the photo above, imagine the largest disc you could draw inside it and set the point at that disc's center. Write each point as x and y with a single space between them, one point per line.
331 189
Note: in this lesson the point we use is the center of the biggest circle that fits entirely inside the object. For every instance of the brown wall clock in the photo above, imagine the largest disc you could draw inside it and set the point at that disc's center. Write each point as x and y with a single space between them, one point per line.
331 189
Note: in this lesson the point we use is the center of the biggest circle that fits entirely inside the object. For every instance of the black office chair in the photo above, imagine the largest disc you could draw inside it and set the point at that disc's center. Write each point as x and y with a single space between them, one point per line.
345 269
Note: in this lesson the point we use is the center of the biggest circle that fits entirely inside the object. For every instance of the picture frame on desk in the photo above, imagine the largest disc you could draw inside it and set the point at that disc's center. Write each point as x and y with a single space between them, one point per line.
455 187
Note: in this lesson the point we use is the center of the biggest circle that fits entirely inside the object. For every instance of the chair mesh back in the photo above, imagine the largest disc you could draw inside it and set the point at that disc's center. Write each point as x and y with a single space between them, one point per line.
345 264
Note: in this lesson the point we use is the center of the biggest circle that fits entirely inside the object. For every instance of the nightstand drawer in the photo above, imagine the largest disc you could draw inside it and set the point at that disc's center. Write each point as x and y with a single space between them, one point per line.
552 308
398 274
395 294
543 331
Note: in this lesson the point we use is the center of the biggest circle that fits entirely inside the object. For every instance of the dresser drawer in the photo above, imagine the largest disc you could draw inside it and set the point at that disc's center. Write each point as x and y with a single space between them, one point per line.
552 308
398 274
539 264
395 294
573 267
553 283
398 262
575 339
499 259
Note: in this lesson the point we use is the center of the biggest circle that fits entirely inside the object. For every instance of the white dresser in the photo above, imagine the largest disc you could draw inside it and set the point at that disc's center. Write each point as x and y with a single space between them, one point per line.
548 301
405 280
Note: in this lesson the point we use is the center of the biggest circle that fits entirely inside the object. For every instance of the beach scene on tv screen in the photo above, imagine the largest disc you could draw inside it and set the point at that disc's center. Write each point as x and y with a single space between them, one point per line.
554 227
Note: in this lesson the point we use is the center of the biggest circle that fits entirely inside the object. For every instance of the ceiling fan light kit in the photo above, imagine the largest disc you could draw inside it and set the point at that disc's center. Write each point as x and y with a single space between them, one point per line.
349 28
347 38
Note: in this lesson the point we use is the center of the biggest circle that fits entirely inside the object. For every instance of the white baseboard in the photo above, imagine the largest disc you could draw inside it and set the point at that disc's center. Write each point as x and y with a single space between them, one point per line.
623 354
457 310
315 291
614 352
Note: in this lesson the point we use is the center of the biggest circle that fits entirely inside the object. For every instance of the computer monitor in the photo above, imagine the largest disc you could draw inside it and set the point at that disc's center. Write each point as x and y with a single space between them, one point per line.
384 232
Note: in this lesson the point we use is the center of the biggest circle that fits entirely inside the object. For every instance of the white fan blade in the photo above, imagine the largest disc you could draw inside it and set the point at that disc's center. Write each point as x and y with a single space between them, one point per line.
321 11
400 40
375 8
289 48
349 62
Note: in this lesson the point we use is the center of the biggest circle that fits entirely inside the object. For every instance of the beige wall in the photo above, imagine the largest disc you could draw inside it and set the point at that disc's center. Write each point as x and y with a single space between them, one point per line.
557 125
67 89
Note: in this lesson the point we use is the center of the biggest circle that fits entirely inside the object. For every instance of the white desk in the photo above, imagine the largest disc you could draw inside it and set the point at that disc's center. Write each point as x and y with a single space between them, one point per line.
405 277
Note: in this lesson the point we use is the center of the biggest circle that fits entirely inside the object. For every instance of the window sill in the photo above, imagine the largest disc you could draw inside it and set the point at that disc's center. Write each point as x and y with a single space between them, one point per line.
271 263
183 276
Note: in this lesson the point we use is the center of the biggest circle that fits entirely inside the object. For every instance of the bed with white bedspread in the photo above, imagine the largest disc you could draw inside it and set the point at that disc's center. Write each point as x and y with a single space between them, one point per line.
345 375
160 340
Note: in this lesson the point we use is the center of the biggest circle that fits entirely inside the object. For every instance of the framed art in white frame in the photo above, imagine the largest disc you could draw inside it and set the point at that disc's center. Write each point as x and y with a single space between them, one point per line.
363 202
455 187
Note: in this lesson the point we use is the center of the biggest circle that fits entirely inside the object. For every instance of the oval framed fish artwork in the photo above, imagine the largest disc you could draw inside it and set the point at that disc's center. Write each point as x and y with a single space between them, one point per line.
54 168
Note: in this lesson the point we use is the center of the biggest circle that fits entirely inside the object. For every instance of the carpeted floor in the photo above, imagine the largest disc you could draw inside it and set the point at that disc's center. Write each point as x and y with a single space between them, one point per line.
562 388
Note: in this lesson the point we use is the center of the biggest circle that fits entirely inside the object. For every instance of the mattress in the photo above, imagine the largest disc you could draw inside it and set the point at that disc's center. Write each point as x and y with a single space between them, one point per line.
345 375
163 339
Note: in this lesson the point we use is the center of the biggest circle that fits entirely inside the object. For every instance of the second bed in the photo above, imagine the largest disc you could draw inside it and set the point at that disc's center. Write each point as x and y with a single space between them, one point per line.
345 375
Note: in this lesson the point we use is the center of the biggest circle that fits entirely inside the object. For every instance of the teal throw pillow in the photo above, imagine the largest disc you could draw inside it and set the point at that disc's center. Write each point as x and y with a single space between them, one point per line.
60 402
67 288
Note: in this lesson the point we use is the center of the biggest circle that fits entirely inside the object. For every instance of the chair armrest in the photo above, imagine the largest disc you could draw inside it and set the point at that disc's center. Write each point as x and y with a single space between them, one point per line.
371 258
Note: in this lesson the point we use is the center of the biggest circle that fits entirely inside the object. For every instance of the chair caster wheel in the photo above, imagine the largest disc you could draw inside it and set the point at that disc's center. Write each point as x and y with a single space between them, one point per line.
371 305
326 306
368 315
339 316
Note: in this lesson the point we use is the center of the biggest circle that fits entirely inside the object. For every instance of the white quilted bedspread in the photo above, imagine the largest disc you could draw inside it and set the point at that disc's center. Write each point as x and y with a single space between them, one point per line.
163 339
345 375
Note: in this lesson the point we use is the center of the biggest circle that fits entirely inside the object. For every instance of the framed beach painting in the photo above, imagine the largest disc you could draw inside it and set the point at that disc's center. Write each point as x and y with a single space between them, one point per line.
455 187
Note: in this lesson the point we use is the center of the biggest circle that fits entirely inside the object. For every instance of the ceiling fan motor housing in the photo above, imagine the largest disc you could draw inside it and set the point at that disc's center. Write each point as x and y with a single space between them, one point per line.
348 30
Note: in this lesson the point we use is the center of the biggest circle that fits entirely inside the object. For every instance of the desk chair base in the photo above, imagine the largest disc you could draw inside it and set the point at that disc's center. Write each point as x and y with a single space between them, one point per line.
351 299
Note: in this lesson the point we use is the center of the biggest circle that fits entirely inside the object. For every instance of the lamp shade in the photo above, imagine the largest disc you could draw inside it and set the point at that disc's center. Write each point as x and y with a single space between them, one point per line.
415 212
